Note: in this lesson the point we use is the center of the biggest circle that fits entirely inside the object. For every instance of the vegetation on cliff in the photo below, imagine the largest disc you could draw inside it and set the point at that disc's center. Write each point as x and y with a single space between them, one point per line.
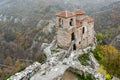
109 57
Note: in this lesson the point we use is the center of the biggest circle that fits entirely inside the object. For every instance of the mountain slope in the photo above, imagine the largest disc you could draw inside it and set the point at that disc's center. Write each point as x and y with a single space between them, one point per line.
33 8
107 21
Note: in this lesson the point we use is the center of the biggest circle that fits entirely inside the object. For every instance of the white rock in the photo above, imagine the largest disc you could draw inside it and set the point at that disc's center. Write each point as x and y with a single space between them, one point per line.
44 45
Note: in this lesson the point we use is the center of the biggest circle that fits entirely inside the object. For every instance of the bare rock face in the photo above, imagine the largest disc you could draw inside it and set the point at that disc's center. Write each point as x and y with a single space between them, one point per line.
48 47
57 64
47 25
44 45
17 20
116 41
47 51
94 61
27 73
55 67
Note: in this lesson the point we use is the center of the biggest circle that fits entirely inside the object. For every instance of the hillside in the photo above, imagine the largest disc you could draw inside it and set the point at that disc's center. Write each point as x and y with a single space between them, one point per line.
38 8
26 24
107 21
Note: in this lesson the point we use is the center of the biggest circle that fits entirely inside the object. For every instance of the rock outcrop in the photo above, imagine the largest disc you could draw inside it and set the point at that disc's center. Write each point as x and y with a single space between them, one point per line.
56 65
27 73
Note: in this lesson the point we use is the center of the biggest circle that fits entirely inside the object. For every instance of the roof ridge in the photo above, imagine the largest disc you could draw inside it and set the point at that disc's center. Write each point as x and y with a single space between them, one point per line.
66 13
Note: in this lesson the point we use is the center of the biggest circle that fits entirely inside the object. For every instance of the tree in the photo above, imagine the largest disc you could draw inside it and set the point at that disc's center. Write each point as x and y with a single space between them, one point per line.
0 71
17 64
99 37
9 36
8 61
109 57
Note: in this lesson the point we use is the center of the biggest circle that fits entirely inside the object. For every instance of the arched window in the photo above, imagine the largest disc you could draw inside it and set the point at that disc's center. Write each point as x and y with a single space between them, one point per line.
71 22
60 22
83 30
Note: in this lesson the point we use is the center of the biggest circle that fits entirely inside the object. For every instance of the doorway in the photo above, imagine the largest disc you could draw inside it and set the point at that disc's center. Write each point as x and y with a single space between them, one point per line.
72 36
74 47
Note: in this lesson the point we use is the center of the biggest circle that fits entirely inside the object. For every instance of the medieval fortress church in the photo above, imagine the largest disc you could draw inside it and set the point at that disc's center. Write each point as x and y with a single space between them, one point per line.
74 26
74 37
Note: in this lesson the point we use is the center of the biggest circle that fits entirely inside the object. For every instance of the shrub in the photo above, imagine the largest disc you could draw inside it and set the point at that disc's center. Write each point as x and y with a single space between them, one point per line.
6 76
84 58
9 36
108 77
83 76
99 37
108 56
101 70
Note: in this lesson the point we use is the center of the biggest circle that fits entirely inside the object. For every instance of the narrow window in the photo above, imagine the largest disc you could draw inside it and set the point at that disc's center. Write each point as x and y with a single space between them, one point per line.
83 30
60 22
72 36
79 42
71 22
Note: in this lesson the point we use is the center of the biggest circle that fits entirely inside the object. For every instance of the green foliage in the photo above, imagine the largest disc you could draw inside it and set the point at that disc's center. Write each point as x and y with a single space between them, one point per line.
83 76
101 70
108 56
97 52
9 36
84 58
108 77
41 59
55 50
110 33
21 68
6 76
99 37
8 61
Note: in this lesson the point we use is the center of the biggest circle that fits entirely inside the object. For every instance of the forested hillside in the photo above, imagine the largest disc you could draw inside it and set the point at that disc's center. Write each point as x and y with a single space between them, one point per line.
107 21
26 24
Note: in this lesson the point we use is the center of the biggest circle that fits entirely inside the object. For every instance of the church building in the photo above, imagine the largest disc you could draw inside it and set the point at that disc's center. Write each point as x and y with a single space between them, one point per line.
74 27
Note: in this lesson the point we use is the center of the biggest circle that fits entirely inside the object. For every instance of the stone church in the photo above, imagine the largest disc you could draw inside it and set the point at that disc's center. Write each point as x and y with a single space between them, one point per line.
74 27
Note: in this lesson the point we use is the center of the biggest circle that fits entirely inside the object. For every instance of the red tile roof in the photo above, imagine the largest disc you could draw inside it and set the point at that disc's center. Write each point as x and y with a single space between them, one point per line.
79 12
89 19
65 14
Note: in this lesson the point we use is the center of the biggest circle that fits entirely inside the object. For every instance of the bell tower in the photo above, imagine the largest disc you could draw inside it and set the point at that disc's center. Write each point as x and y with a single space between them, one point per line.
65 21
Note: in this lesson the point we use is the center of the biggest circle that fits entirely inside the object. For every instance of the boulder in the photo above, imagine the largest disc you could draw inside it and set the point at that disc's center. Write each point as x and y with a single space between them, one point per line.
47 52
44 45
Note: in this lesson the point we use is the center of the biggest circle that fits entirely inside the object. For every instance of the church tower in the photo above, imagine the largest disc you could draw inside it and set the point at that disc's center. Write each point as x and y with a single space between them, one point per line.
65 22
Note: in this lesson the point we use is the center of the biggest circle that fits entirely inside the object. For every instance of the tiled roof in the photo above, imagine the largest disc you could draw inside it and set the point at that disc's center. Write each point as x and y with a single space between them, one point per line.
79 12
89 19
65 14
